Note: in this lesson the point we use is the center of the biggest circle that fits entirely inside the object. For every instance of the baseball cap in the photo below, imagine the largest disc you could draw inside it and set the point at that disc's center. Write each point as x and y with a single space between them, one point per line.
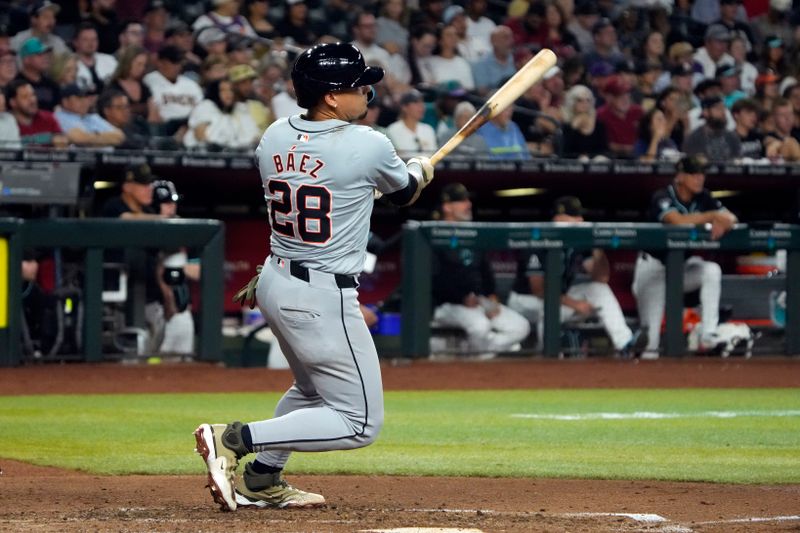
451 88
209 34
727 69
767 77
153 5
773 41
568 205
140 174
38 7
171 53
452 12
718 32
551 72
600 25
617 86
601 68
177 28
32 47
705 85
73 89
411 96
454 192
164 192
692 164
239 73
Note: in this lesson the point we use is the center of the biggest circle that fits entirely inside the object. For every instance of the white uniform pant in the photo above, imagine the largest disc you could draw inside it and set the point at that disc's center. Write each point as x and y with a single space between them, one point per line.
173 336
484 334
336 401
649 288
598 294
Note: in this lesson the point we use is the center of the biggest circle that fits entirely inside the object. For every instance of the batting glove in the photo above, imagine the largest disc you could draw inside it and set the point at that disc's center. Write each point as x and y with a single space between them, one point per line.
421 167
247 294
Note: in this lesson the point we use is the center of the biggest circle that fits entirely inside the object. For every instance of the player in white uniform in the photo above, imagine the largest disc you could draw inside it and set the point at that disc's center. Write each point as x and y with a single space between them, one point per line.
319 173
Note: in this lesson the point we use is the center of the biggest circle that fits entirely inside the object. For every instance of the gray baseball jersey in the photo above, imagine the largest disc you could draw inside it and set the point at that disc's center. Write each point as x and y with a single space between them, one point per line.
319 178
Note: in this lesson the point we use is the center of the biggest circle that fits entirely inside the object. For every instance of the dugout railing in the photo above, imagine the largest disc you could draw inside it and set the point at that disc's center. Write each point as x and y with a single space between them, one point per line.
420 238
94 236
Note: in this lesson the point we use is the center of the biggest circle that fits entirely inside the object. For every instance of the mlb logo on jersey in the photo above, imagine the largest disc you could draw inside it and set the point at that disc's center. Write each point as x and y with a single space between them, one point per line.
302 137
281 263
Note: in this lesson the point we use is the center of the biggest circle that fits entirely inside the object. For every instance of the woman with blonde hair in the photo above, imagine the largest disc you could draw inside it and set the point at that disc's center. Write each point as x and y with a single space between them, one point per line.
64 68
127 78
584 136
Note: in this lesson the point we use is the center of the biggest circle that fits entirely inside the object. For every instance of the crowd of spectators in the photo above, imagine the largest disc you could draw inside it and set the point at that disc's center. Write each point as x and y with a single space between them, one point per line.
636 79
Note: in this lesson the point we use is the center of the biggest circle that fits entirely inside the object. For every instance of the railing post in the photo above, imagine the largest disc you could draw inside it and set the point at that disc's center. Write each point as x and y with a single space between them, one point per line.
93 305
211 293
674 344
416 289
10 346
553 271
792 329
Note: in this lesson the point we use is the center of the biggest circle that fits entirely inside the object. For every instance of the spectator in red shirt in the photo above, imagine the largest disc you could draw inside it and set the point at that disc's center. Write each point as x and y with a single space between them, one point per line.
36 126
530 29
620 116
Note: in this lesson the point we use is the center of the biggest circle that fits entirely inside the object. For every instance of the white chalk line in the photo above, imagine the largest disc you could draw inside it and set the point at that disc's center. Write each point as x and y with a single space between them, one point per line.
754 519
654 415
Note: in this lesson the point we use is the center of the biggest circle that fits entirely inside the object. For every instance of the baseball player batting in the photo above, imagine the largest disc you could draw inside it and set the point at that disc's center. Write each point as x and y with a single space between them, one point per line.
319 172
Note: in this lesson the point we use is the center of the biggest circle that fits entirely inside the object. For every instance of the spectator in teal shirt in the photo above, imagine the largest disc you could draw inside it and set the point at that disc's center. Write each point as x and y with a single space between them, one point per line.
504 138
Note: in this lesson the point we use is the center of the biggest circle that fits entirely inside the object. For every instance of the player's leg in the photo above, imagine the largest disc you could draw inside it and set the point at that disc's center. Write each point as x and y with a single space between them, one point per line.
472 320
649 286
706 276
607 308
509 328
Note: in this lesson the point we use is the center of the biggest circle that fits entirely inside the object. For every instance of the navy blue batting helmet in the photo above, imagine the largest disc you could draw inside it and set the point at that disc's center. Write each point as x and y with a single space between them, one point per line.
330 67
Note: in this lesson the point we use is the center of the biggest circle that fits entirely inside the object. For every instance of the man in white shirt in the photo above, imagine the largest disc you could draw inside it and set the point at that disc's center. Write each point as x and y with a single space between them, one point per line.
174 95
365 33
43 20
715 51
94 68
409 136
479 31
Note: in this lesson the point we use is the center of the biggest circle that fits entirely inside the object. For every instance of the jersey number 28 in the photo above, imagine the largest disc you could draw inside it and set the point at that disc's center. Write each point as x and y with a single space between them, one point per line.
302 214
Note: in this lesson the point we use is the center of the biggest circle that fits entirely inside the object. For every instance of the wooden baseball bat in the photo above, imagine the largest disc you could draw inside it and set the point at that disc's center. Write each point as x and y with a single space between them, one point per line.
520 82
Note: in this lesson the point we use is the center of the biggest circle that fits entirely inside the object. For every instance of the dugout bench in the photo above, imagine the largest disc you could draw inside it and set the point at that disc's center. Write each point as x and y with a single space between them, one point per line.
420 238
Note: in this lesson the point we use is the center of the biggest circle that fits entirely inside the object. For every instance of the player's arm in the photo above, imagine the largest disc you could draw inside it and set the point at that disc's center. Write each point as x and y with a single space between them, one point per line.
420 174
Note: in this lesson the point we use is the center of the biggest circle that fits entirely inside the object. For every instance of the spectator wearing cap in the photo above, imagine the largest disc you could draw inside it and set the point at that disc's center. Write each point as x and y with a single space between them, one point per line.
296 26
94 68
774 57
780 144
745 113
114 106
103 16
495 68
620 116
712 139
748 71
715 50
408 134
730 16
728 75
180 36
256 12
8 67
224 16
586 14
135 197
35 60
680 59
584 299
174 95
43 21
473 146
128 77
606 46
646 75
767 90
217 123
707 89
598 75
504 137
242 78
36 126
584 137
464 293
81 127
131 34
479 28
775 21
530 29
447 65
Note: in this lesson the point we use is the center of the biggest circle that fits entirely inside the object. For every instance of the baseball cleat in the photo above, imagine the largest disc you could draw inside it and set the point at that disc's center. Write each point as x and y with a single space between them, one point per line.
221 463
262 491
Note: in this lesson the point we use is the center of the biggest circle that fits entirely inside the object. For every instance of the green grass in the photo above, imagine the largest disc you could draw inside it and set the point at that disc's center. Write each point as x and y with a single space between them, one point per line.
438 433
